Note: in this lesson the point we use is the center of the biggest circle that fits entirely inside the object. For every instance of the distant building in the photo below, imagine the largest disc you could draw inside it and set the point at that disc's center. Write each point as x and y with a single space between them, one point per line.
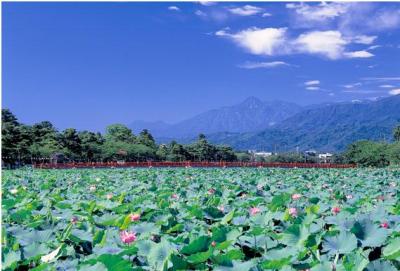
260 153
325 157
311 153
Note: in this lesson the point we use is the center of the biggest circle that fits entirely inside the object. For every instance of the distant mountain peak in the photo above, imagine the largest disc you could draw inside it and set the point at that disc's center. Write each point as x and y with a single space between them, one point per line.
252 101
250 115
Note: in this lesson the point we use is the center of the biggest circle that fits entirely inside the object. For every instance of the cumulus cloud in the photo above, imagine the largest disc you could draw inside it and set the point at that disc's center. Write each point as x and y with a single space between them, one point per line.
246 10
312 83
276 41
395 91
266 41
256 65
317 13
348 17
386 86
174 8
328 43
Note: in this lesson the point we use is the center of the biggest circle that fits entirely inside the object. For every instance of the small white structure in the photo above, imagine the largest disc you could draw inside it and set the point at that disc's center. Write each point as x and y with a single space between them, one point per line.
325 157
260 153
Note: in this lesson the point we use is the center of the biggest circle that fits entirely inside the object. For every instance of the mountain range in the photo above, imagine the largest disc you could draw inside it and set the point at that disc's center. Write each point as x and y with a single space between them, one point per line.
251 115
282 126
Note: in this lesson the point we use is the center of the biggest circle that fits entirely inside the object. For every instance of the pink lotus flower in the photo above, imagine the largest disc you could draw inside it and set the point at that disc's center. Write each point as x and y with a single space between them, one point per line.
213 244
74 219
221 208
134 217
335 210
385 225
127 237
296 196
350 196
92 188
243 195
254 210
381 197
293 212
211 191
109 196
175 196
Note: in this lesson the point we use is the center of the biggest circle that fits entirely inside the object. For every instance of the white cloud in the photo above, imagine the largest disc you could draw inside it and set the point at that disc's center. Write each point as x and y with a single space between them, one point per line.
358 54
367 17
312 83
385 19
266 14
276 41
364 39
312 88
174 8
267 41
246 10
317 13
207 3
255 65
386 86
352 85
395 91
200 13
394 78
373 47
328 43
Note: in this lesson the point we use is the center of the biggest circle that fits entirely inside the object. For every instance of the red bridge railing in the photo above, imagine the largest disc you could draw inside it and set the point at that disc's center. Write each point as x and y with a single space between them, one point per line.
187 164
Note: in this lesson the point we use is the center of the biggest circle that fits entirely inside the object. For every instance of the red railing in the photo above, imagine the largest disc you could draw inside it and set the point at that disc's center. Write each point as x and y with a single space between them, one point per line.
188 164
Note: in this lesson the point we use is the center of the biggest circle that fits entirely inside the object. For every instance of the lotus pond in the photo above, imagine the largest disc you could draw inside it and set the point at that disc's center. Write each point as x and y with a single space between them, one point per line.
201 219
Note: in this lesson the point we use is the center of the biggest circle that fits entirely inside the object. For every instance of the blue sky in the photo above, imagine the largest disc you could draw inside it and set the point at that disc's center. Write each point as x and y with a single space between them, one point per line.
87 65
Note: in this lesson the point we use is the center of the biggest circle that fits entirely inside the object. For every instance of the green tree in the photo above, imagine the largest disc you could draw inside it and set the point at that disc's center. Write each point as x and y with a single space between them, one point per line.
368 153
176 152
91 145
45 140
145 138
201 150
225 153
119 132
394 153
10 136
396 133
71 143
162 152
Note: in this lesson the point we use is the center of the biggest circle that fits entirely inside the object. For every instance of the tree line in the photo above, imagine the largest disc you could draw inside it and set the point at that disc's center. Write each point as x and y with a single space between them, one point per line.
42 142
25 144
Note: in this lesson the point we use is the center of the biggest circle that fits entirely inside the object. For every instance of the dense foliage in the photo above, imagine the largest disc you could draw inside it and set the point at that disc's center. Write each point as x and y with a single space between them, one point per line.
26 144
376 154
201 219
23 144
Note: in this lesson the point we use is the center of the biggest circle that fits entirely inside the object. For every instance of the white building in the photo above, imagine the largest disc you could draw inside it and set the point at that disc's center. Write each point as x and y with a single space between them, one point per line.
260 153
325 157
